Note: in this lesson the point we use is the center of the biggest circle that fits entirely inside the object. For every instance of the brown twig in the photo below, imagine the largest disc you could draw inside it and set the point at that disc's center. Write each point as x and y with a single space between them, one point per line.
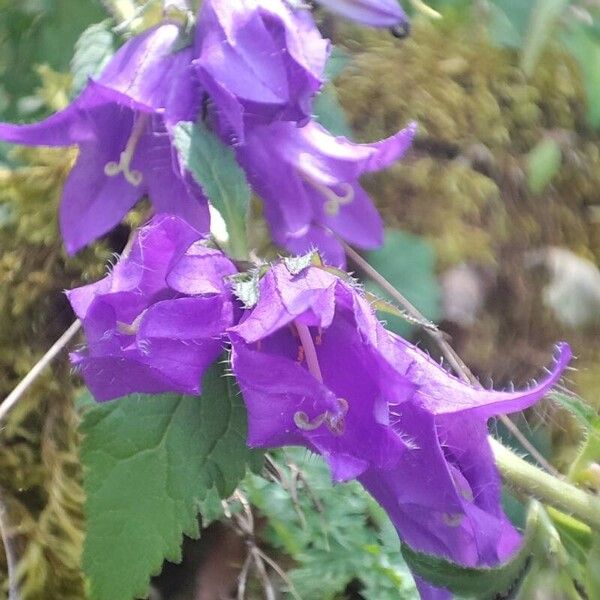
457 364
245 527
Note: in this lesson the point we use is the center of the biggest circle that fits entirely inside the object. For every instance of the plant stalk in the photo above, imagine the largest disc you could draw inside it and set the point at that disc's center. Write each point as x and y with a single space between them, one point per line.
532 481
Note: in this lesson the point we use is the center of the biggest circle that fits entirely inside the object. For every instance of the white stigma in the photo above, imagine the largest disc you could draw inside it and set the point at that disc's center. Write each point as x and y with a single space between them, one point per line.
113 168
333 200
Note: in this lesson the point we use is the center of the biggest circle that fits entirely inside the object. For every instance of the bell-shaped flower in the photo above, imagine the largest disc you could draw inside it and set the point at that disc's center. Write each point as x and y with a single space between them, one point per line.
375 13
316 369
121 123
309 182
156 322
451 505
259 61
307 361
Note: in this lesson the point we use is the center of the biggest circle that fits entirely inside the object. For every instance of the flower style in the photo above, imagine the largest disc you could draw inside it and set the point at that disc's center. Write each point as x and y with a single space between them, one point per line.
121 124
156 322
308 180
317 369
375 13
259 61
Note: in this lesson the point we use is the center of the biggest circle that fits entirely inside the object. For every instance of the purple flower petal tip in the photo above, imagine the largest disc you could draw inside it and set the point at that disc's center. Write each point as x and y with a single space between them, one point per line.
374 13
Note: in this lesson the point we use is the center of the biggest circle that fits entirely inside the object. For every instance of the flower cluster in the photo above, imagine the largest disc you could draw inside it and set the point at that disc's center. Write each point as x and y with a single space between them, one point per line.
315 366
316 369
260 64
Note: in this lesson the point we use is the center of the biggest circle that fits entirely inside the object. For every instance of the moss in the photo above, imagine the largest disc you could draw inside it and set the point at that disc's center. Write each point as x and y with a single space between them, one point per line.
463 185
40 478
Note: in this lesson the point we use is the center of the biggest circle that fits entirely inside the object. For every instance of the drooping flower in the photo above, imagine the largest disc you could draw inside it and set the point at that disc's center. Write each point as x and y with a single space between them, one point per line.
308 180
316 369
375 13
259 61
307 361
452 505
121 123
156 322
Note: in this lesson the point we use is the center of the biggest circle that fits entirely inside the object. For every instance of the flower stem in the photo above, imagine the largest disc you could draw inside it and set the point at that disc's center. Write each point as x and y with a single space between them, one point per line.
532 481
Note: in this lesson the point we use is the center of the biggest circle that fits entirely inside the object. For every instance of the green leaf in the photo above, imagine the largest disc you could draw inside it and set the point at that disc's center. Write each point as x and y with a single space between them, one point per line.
94 48
586 415
338 60
584 470
214 167
150 461
585 47
408 262
544 17
508 21
335 534
34 33
592 573
483 583
329 112
543 163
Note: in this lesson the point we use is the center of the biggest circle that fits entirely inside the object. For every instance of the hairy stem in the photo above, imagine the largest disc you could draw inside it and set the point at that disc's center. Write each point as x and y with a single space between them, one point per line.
527 478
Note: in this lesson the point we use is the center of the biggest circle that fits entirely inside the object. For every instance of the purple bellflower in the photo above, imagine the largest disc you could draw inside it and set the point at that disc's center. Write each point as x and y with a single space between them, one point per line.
374 13
317 369
259 61
121 123
308 180
156 322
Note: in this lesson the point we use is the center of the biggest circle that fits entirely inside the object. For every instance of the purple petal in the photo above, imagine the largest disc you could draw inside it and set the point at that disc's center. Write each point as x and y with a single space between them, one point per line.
375 13
92 203
171 190
110 377
187 319
321 239
201 270
73 125
442 393
284 298
358 222
148 74
259 59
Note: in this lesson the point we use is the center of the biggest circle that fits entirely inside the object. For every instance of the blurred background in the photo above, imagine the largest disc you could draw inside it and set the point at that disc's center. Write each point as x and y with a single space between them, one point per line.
494 233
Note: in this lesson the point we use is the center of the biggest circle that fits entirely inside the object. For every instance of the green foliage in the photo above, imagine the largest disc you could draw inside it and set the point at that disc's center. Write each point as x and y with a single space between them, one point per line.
509 21
544 17
543 163
408 263
327 108
93 50
585 47
540 551
214 167
149 463
32 33
329 112
335 534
